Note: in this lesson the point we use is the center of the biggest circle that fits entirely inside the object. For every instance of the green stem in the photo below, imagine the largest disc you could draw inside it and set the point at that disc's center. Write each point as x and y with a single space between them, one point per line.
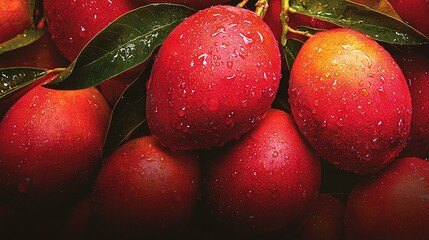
55 70
261 8
284 18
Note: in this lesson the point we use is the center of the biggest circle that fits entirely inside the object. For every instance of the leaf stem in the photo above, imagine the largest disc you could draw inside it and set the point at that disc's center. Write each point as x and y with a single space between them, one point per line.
55 70
284 18
261 8
242 3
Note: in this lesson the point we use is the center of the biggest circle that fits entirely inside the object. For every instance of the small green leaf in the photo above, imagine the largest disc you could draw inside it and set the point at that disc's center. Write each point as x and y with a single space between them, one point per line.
125 43
348 14
13 79
291 50
128 114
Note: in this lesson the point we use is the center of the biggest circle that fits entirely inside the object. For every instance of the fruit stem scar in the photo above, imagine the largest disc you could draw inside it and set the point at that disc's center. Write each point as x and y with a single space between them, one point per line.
261 8
284 18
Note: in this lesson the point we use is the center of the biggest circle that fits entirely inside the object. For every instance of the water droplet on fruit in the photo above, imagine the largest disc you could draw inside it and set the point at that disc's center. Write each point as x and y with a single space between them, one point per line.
73 3
275 154
234 175
249 194
275 194
246 39
161 176
340 122
244 103
213 104
71 40
82 32
181 112
94 18
363 92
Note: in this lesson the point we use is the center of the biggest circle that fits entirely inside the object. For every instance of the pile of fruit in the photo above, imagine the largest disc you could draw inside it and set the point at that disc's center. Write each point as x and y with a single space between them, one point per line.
193 119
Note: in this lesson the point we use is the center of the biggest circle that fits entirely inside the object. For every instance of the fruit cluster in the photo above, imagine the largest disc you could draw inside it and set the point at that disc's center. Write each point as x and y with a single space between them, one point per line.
224 131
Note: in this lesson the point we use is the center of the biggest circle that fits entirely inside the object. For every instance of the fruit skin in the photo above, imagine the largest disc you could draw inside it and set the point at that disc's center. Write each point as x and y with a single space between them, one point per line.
15 18
392 204
145 190
414 12
351 100
196 4
416 70
326 222
266 181
50 143
215 75
72 23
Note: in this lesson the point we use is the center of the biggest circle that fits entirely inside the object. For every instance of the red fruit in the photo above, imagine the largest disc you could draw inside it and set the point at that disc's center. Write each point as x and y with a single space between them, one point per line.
326 222
266 181
72 23
144 190
216 75
416 70
414 12
50 142
15 18
351 100
393 204
197 4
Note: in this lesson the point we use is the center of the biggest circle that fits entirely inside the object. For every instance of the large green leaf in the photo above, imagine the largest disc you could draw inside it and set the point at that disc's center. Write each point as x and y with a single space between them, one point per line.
13 79
30 35
125 43
379 26
128 114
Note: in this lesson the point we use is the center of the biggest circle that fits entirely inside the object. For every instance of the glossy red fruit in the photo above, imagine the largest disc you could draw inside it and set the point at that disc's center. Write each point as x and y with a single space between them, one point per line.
393 204
50 143
414 12
15 18
326 222
266 181
213 79
197 4
72 23
351 100
416 70
145 191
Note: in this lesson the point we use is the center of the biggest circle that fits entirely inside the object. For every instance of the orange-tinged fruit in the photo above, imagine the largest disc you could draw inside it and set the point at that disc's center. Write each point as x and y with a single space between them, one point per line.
351 100
15 18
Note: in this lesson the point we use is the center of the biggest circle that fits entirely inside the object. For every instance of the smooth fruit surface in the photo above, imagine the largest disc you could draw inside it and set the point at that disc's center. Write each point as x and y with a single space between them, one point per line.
145 190
15 18
416 70
326 222
213 79
351 100
50 142
392 204
72 23
266 181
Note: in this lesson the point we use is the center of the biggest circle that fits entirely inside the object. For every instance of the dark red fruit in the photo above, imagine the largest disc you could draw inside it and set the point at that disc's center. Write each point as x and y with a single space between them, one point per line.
393 204
197 4
50 143
213 79
144 190
266 181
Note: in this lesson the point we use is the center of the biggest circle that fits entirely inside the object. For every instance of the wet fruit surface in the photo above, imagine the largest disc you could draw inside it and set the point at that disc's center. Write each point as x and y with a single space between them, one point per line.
215 75
351 100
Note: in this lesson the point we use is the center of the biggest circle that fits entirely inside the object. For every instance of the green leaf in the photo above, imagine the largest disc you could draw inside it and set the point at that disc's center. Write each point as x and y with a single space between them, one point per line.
291 50
348 14
13 79
125 43
128 114
382 6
